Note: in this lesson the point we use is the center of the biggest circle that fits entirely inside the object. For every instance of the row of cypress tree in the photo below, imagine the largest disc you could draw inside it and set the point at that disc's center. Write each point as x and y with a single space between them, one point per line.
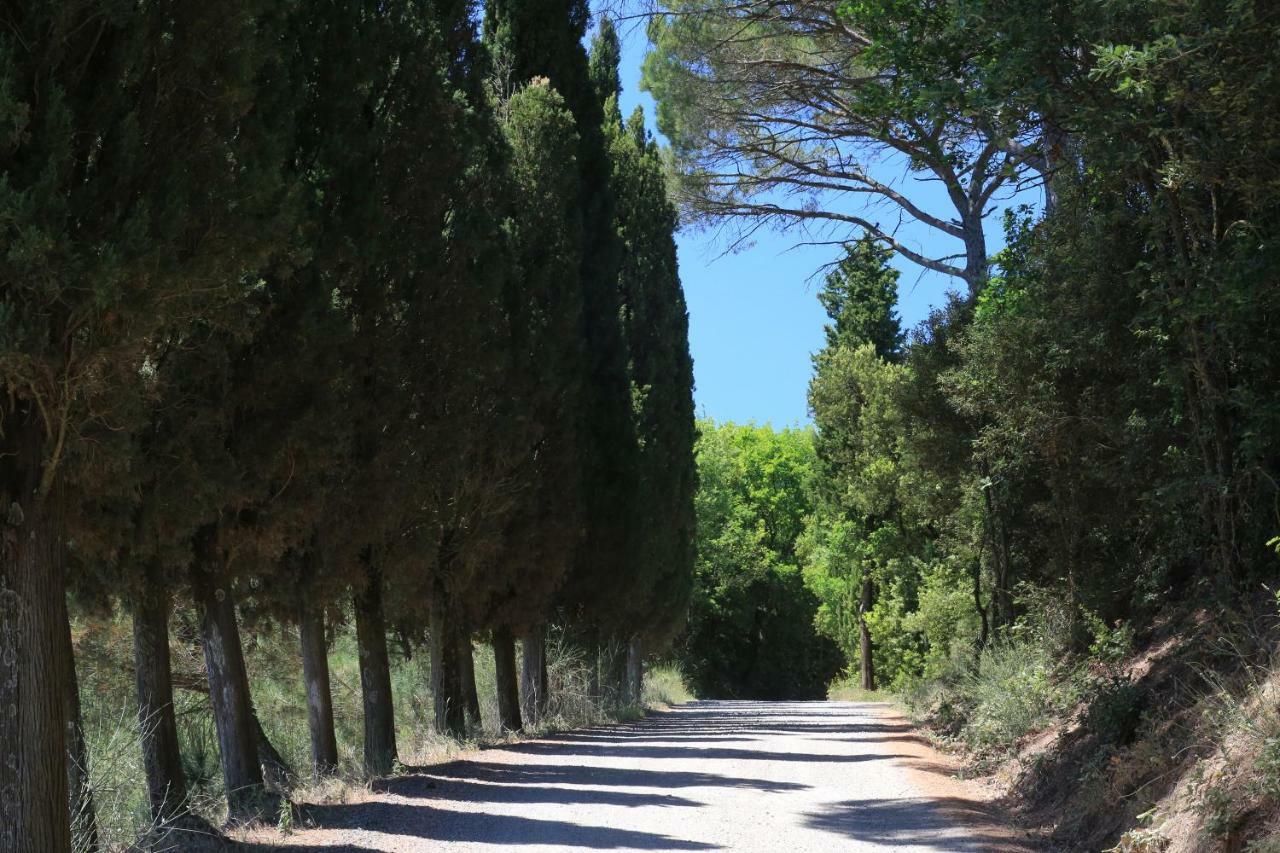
317 309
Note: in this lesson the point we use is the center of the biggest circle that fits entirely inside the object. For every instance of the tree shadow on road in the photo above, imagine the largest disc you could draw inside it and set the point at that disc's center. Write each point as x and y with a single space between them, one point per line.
694 753
497 774
454 785
919 823
420 821
730 721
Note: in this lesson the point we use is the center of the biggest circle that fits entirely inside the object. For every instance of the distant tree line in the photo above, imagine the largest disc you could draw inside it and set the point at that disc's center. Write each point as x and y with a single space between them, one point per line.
1091 426
324 310
751 632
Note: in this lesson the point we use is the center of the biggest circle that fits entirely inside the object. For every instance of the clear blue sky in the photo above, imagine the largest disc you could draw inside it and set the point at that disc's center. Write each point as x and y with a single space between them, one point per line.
754 317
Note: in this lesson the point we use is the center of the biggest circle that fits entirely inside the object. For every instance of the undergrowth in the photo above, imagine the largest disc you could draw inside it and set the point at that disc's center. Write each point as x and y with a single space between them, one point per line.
847 688
104 662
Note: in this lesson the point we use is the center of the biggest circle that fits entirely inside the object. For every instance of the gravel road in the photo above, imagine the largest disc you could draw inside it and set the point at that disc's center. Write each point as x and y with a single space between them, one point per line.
742 776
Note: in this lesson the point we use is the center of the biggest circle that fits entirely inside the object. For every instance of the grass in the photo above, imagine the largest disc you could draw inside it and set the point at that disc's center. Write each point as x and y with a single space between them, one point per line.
664 686
847 689
1015 690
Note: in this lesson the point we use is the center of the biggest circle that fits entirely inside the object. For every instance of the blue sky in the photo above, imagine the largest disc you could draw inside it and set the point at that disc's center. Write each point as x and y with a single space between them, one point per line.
754 317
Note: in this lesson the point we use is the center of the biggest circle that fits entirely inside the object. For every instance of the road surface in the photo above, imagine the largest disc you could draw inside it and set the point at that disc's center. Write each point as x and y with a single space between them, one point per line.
800 777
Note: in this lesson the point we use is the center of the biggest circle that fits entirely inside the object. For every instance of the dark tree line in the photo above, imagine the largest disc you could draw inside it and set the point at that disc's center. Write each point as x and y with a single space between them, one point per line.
326 311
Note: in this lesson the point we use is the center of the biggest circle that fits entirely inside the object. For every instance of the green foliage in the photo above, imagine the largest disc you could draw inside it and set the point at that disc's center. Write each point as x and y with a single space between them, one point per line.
1115 710
544 39
860 297
656 327
750 631
1014 690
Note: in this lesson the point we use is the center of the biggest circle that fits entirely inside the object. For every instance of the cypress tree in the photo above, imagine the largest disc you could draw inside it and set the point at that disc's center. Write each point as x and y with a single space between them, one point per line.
544 39
859 296
112 237
390 153
655 323
543 302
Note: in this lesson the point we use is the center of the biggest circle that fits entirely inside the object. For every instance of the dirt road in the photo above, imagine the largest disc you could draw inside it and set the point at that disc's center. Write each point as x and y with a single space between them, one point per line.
742 776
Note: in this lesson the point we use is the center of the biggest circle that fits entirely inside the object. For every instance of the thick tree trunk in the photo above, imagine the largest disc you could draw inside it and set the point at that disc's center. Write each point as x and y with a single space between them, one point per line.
446 671
504 667
233 716
84 819
315 679
864 636
157 724
467 667
375 679
533 676
635 672
33 659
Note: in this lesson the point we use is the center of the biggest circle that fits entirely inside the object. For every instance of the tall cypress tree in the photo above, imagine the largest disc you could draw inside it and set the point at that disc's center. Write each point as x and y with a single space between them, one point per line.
655 323
544 39
547 362
111 237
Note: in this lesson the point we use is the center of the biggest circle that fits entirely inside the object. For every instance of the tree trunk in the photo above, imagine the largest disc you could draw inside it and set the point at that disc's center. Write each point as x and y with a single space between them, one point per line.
467 666
233 716
84 819
275 770
157 724
375 678
984 625
533 675
635 672
976 268
33 661
864 635
315 679
504 667
1001 601
446 670
594 689
614 675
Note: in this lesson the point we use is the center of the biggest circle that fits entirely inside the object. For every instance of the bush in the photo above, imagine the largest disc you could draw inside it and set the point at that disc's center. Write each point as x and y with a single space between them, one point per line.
1012 692
1115 711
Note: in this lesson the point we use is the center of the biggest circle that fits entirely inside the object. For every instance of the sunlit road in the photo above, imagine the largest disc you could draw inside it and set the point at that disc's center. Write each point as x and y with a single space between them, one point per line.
748 776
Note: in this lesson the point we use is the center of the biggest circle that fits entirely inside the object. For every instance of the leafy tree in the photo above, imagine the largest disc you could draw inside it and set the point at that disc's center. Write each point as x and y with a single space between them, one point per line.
750 632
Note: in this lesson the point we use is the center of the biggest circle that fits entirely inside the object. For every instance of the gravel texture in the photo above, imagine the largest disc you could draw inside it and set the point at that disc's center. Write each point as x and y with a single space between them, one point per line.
808 777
